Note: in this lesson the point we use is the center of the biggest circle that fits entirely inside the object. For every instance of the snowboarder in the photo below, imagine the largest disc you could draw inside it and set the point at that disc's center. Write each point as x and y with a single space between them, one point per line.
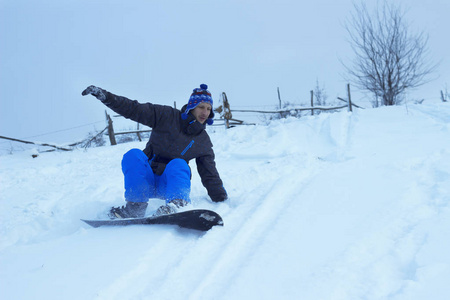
161 170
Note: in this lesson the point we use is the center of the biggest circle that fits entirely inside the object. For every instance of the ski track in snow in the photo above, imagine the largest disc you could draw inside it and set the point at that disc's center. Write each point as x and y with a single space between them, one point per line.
384 263
335 206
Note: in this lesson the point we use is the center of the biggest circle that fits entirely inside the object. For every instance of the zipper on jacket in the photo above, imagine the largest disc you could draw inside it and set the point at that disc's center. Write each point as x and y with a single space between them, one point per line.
188 147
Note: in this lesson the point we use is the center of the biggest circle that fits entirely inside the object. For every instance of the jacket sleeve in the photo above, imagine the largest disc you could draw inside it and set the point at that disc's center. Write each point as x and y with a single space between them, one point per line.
206 167
145 113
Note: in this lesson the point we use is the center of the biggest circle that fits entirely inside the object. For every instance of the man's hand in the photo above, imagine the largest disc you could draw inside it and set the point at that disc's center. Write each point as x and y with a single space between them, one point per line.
94 91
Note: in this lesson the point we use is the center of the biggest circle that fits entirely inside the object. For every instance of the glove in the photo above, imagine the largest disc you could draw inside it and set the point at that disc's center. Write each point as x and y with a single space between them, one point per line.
219 197
95 91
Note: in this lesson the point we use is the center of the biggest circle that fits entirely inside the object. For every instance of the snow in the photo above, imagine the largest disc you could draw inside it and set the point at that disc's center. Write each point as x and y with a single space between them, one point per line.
335 206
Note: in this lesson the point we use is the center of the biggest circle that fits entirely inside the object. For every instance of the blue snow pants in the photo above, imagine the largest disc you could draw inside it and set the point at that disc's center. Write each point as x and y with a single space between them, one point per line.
141 183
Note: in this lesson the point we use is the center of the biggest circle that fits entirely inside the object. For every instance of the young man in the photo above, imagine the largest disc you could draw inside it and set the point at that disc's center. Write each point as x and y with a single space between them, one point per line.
161 170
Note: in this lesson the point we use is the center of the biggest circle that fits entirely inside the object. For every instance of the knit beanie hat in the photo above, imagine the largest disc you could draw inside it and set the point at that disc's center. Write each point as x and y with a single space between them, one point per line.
198 96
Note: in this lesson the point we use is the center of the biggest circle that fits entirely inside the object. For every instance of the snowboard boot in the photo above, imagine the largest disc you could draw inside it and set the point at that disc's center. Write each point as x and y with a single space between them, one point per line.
130 210
170 208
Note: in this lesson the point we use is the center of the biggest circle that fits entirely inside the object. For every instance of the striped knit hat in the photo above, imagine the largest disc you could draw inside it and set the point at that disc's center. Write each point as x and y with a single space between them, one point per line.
198 96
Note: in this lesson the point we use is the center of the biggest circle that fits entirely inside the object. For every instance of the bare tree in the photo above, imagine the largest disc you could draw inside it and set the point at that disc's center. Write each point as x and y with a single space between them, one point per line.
389 59
320 94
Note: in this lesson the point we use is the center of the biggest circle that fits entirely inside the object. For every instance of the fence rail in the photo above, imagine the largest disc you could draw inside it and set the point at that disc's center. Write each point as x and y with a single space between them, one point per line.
289 110
35 143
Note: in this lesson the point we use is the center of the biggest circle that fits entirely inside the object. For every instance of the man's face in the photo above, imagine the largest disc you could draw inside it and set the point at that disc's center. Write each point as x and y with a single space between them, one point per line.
201 112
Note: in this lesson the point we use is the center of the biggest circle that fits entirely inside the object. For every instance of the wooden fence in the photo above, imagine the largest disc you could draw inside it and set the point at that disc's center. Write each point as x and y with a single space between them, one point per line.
226 114
224 110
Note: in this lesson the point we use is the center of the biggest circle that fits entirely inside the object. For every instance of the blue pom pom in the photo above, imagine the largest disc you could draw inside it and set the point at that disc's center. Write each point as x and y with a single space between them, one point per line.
203 86
209 121
184 116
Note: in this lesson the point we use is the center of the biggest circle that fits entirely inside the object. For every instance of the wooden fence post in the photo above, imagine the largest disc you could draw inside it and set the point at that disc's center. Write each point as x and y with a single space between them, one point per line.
279 96
349 98
226 110
138 134
312 102
112 137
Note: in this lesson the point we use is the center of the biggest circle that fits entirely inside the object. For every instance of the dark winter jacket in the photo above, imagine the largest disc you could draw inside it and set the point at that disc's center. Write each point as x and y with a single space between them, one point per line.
172 137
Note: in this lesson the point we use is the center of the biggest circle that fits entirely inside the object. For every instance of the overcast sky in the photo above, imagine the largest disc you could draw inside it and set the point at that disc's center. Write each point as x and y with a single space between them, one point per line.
158 51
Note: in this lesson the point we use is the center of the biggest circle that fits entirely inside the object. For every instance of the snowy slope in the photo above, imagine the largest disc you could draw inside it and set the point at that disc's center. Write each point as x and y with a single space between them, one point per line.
335 206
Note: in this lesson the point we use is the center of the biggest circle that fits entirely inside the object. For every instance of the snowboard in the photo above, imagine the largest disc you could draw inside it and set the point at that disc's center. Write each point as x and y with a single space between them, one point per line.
198 219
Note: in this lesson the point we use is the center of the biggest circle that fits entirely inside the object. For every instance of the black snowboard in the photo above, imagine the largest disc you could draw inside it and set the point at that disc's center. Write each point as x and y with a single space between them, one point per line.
198 219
